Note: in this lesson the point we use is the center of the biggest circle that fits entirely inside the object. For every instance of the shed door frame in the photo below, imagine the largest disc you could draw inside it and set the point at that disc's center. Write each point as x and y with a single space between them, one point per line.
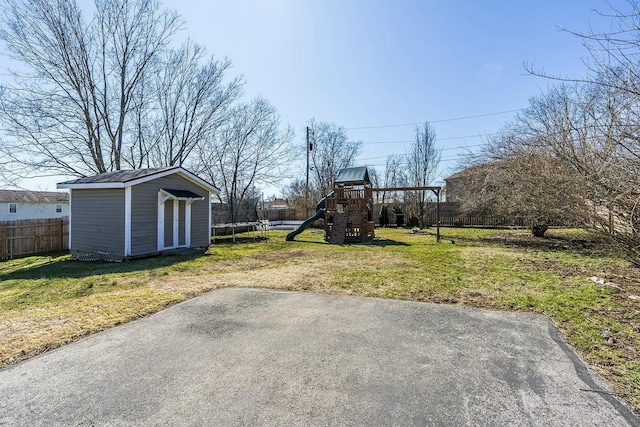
163 196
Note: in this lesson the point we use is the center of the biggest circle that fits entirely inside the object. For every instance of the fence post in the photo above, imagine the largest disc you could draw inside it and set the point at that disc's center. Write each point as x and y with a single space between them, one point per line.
61 234
3 242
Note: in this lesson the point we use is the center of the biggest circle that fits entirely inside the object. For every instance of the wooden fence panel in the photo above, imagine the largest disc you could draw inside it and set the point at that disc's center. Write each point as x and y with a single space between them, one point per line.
290 214
32 236
450 217
474 221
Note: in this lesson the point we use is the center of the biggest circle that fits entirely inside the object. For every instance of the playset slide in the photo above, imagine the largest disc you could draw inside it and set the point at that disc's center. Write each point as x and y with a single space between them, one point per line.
320 208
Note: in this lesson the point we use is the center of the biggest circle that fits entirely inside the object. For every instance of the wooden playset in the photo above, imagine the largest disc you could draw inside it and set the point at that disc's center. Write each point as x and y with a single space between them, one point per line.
348 210
348 215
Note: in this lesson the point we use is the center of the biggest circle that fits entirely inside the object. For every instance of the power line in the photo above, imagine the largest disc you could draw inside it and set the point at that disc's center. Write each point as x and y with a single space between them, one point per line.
481 135
437 121
451 138
387 142
476 116
443 149
552 134
447 159
442 160
461 147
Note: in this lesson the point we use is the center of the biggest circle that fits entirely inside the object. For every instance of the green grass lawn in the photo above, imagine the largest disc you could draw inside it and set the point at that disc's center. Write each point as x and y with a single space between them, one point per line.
47 301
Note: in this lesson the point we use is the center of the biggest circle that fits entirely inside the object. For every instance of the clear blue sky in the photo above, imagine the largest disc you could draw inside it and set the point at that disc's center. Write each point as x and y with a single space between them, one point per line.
364 63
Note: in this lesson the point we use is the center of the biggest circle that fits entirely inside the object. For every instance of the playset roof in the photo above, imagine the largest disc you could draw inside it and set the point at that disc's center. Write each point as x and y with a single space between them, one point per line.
358 174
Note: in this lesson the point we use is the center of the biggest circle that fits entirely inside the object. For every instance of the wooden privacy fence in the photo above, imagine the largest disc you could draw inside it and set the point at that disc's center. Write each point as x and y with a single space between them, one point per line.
449 220
290 214
450 217
32 236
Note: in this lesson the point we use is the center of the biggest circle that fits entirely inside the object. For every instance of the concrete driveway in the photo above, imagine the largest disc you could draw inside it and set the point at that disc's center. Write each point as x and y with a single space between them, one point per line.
258 357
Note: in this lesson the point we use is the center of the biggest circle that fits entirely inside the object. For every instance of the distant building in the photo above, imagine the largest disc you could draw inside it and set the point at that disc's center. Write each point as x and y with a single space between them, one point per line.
455 184
25 204
277 204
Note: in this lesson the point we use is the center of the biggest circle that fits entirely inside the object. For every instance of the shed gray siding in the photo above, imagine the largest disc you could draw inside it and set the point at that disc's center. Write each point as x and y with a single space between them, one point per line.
97 221
144 213
200 231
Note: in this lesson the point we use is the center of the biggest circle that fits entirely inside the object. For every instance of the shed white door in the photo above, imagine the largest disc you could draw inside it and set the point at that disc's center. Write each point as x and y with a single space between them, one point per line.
174 218
169 219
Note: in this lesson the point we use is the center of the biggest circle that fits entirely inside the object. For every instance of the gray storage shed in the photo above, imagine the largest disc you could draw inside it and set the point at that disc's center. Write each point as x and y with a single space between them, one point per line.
131 213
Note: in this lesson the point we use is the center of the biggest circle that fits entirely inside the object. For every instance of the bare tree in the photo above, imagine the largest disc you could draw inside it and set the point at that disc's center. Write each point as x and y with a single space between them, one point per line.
530 186
594 130
294 193
192 100
332 151
394 176
374 177
422 160
97 95
248 150
68 111
612 54
569 157
604 137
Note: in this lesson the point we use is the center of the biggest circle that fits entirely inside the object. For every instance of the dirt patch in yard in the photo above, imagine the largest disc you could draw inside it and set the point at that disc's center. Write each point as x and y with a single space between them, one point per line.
554 241
29 332
295 270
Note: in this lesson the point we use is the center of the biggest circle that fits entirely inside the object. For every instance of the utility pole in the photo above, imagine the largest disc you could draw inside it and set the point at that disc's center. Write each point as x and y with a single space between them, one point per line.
306 187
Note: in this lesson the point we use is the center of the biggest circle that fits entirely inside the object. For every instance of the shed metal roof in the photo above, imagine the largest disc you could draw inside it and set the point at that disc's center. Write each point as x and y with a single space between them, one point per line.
357 174
128 178
118 176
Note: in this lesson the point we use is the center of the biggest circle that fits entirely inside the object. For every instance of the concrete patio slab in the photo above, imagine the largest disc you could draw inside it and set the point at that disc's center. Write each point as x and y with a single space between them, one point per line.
259 357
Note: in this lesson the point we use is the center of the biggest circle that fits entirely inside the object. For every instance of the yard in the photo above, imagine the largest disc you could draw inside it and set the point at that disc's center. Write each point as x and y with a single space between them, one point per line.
47 301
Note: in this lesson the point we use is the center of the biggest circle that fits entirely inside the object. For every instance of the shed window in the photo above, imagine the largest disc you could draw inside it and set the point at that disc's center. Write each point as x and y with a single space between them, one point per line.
13 208
58 208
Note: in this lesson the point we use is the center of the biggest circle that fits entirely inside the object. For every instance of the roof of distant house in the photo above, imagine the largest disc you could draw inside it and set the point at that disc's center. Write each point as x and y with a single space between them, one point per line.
278 202
27 196
466 171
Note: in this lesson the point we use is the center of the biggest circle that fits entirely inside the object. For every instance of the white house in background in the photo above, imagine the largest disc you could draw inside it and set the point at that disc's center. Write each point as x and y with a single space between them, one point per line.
24 204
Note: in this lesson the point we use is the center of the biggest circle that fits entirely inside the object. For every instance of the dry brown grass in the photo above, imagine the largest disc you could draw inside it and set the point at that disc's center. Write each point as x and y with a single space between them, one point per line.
46 303
28 332
42 328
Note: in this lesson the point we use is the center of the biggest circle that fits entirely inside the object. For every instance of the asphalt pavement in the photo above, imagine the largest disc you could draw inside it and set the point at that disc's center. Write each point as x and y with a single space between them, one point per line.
259 357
